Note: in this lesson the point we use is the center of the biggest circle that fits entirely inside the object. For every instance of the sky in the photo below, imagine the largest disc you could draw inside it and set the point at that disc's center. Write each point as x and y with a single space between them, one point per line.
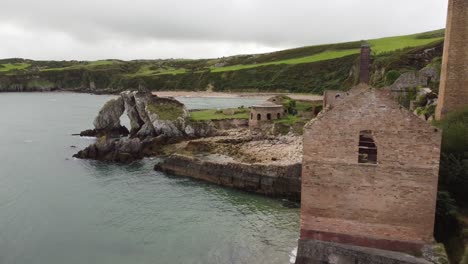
152 29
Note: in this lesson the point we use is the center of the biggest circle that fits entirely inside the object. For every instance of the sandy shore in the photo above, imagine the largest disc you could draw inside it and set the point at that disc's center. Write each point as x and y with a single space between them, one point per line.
305 97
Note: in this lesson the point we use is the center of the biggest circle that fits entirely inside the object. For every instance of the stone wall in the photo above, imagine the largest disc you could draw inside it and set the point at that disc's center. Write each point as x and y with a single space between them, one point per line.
319 252
453 91
271 180
388 205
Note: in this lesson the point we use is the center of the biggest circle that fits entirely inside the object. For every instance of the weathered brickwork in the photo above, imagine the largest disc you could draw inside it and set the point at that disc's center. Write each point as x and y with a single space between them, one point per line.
265 113
388 205
364 74
453 91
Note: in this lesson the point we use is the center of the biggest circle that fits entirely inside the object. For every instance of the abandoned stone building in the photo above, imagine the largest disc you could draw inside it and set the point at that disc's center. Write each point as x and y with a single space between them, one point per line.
265 113
369 179
453 91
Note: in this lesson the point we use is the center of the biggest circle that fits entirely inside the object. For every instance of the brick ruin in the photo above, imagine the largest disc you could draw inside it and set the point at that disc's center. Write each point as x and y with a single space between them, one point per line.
453 91
265 112
365 60
370 180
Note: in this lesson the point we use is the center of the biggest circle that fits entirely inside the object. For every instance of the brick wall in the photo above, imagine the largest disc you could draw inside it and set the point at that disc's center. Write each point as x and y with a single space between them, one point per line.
393 200
364 74
453 91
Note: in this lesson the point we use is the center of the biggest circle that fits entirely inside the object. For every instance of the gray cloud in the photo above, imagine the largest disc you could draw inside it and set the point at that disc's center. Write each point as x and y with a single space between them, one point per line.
96 29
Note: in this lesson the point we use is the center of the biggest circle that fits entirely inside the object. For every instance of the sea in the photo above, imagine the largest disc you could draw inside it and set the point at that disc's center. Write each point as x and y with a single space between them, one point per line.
55 209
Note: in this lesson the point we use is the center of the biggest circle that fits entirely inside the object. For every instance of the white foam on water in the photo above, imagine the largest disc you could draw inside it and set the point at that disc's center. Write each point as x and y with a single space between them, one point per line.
292 255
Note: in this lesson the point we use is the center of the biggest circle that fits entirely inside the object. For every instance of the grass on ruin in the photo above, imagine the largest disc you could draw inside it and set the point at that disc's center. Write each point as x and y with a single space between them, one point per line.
213 114
290 120
13 66
303 106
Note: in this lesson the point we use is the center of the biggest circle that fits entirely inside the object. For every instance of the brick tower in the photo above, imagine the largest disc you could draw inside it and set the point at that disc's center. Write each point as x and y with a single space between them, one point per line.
365 63
453 91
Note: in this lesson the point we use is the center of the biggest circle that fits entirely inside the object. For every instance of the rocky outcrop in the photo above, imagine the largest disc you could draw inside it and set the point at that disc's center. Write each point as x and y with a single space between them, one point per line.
107 122
272 180
154 122
414 79
150 116
132 112
167 116
124 150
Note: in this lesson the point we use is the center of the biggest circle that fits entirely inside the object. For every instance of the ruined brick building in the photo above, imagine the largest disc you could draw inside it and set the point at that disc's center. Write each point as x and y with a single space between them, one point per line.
265 113
369 175
369 179
453 91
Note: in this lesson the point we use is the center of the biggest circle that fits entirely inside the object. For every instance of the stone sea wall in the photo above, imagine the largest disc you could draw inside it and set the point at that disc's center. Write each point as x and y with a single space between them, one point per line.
272 180
315 251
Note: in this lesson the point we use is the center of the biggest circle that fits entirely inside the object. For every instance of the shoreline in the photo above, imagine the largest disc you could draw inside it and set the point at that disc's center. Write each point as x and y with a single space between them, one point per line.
266 95
189 94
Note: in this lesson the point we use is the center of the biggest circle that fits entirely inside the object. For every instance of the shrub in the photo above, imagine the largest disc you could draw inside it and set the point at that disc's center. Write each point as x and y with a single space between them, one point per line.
391 77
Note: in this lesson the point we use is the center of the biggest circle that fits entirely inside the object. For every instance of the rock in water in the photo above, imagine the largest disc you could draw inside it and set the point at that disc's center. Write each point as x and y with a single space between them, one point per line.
167 116
109 115
132 112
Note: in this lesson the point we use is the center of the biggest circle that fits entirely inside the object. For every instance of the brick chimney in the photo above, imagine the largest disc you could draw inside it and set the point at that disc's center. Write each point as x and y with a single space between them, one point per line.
453 91
364 74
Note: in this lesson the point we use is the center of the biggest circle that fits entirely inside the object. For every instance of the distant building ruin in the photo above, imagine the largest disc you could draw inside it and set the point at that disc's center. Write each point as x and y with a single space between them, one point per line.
453 91
265 112
369 182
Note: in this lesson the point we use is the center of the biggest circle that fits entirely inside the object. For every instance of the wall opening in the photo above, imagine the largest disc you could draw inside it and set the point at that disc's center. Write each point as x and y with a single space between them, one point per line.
278 116
259 117
251 116
268 116
367 148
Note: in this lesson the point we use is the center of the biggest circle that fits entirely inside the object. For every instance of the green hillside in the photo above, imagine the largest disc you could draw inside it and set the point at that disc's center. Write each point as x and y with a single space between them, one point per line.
305 69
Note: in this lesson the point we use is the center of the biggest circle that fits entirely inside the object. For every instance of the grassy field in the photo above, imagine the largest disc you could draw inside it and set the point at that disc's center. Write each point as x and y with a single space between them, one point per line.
13 66
213 114
310 69
327 55
148 70
395 43
378 46
86 65
302 55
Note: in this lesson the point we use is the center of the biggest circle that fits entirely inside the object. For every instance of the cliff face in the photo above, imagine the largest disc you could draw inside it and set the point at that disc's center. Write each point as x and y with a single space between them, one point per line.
272 180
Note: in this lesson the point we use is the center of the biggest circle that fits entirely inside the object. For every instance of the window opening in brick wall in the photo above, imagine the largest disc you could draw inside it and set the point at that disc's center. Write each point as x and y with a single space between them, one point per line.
367 148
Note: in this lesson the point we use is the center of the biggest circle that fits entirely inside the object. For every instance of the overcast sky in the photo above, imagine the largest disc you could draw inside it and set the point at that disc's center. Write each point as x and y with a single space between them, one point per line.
150 29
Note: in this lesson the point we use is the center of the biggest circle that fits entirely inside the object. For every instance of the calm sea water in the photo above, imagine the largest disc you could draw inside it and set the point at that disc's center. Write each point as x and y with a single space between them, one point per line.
55 209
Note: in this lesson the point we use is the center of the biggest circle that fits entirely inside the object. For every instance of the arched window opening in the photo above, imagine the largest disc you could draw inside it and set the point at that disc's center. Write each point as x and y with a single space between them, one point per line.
278 116
367 148
268 116
251 116
259 117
